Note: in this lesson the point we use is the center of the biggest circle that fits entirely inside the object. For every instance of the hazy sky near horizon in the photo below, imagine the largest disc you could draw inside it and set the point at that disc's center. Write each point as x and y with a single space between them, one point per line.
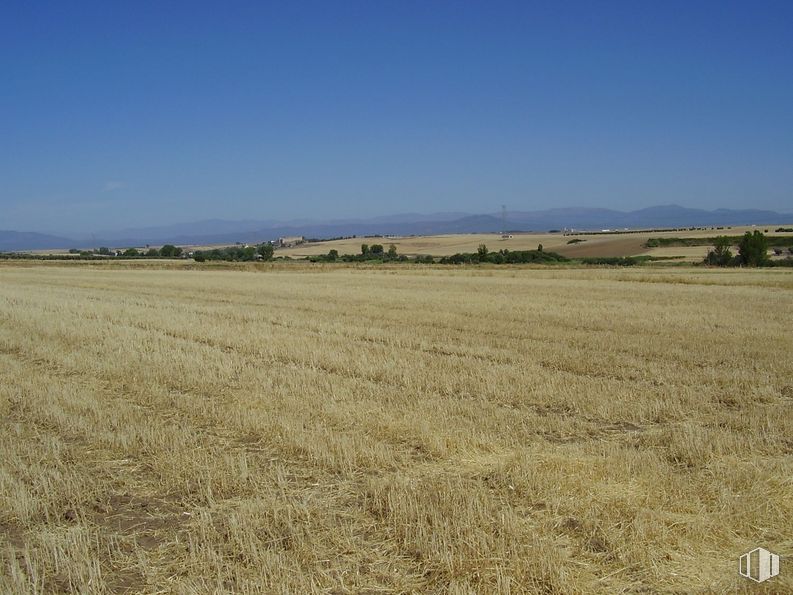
116 115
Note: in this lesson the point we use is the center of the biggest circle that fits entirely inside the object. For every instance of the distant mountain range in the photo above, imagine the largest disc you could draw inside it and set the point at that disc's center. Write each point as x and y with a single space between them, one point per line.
218 231
25 240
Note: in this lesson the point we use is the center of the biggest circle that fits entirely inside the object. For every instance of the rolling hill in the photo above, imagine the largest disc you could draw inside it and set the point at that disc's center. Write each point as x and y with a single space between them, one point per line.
220 231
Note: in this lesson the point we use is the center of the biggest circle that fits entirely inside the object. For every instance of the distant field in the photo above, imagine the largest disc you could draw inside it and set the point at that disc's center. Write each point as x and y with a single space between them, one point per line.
394 430
593 244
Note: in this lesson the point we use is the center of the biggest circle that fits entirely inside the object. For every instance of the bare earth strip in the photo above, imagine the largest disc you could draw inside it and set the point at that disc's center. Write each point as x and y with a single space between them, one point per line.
332 429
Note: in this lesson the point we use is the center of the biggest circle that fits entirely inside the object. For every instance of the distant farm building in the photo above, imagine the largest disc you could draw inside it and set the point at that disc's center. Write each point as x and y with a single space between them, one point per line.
287 241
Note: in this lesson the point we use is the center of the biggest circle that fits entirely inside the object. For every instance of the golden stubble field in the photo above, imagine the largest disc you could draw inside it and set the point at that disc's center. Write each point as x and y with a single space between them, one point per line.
348 430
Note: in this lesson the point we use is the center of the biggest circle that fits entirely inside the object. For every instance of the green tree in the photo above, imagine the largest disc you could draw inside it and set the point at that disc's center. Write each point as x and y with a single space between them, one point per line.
168 251
365 249
104 250
377 249
131 252
721 254
539 247
152 252
482 251
266 251
753 249
392 251
198 256
333 255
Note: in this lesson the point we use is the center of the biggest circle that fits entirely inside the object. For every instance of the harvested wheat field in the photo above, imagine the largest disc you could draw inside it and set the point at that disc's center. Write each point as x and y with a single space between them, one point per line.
362 430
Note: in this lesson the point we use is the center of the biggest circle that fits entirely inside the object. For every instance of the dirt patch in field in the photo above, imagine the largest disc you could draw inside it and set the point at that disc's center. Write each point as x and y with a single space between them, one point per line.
128 580
149 520
12 534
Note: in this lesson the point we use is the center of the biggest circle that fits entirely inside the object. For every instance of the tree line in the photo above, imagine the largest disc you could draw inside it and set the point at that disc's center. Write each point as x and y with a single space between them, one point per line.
752 252
166 251
504 256
259 252
374 253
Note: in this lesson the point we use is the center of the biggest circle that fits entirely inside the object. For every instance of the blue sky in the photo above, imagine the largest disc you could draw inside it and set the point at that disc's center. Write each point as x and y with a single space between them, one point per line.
120 114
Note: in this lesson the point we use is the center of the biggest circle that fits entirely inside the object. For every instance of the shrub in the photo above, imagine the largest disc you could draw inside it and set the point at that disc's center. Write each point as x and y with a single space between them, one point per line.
265 250
753 249
623 261
721 254
784 262
170 251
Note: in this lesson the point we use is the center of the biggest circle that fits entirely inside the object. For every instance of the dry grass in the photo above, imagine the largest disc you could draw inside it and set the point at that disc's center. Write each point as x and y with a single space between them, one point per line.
393 430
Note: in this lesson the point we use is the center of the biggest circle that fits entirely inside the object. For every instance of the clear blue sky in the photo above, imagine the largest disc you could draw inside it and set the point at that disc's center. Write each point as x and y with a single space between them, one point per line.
118 114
